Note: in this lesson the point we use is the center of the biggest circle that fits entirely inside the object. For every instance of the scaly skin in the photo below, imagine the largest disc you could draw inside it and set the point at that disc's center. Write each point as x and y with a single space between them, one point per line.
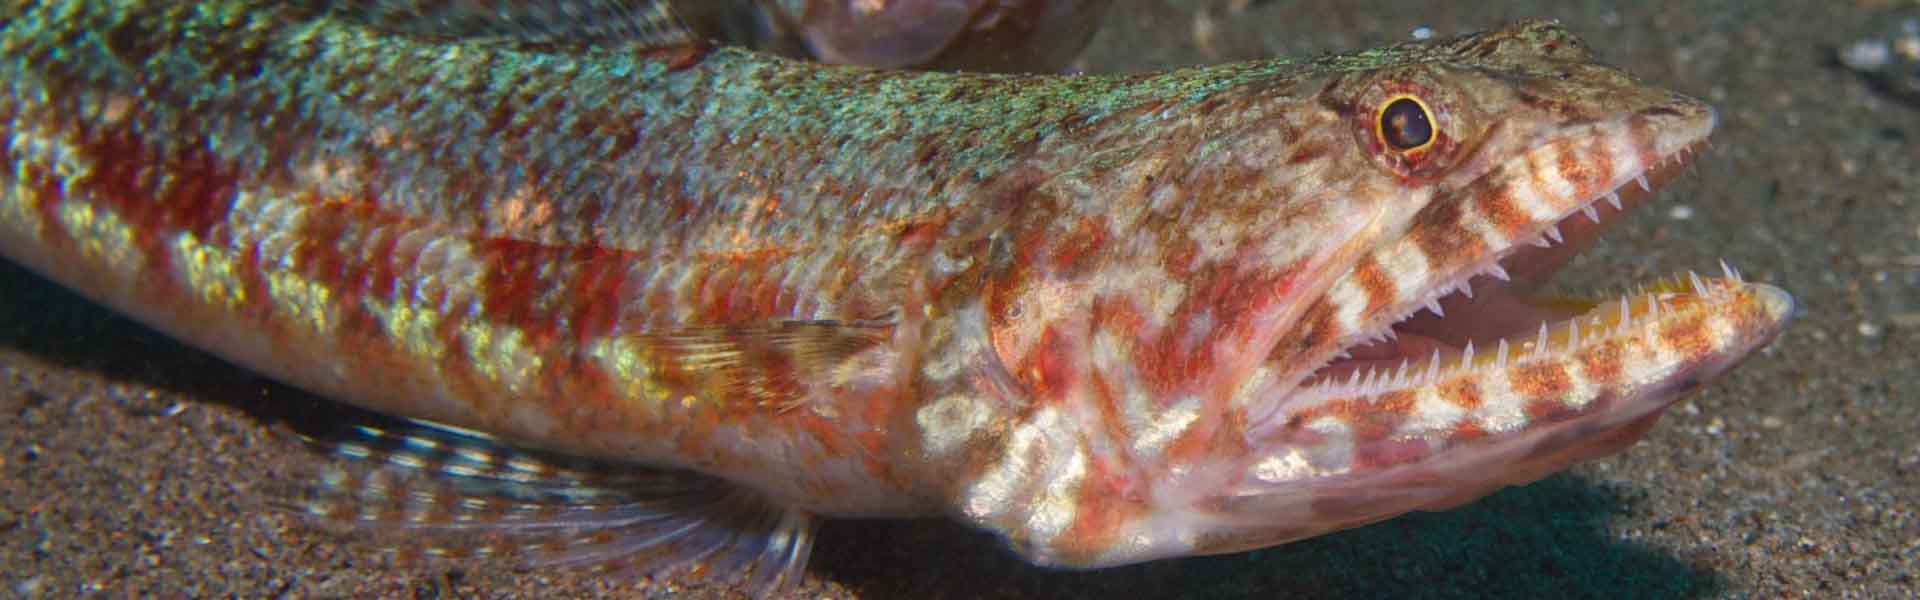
1082 312
966 35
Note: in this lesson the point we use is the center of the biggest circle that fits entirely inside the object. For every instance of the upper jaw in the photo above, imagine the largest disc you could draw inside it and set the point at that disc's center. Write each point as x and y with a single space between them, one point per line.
1512 225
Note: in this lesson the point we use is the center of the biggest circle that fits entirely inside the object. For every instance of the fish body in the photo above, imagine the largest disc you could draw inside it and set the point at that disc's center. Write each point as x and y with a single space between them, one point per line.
1111 319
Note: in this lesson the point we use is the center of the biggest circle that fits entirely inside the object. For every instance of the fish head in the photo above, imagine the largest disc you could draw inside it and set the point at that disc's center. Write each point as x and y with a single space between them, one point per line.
1220 354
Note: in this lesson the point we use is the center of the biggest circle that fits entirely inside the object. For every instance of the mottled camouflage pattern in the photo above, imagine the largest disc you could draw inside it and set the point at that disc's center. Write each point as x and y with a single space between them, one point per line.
1082 312
971 35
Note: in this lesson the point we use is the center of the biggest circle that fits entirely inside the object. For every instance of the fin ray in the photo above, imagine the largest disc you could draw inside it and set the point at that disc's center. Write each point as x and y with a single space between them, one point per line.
418 490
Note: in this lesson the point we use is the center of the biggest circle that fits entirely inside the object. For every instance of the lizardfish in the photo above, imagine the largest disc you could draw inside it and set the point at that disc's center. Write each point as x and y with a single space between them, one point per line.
1111 319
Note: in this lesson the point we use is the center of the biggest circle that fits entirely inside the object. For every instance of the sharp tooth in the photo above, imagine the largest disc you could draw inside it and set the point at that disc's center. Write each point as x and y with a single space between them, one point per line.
1573 334
1653 307
1498 272
1553 231
1642 179
1465 290
1592 214
1540 341
1433 367
1466 356
1728 270
1434 305
1353 379
1614 199
1542 242
1400 376
1699 289
1626 314
1500 360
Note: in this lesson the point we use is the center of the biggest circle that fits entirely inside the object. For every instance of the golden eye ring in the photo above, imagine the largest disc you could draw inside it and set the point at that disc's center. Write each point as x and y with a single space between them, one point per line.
1405 124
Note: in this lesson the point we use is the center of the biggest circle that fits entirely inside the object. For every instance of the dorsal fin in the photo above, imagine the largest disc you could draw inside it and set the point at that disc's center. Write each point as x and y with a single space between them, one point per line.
418 491
650 23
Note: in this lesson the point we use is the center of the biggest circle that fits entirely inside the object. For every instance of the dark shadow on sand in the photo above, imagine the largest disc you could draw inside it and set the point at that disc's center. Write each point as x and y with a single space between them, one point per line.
1546 540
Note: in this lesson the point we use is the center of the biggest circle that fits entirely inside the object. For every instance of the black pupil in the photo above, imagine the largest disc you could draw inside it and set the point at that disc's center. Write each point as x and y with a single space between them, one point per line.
1404 124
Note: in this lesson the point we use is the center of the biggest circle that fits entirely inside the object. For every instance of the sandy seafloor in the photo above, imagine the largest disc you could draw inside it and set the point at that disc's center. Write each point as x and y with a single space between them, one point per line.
135 467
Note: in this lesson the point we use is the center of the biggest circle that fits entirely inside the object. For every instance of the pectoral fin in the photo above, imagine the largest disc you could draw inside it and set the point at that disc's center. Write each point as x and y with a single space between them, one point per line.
419 491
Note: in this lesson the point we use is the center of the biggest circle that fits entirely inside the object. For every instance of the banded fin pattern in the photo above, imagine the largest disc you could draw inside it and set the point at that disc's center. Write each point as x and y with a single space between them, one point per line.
421 491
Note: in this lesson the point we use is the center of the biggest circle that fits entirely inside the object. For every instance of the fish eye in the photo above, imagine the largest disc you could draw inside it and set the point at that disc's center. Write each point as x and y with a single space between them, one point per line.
1405 124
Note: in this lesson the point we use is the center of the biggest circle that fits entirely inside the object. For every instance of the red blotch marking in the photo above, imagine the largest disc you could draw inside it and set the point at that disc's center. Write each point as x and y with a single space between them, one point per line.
1467 430
1601 364
1688 337
1108 499
874 442
1369 419
1501 208
1234 303
1047 370
334 248
158 192
1439 234
1462 393
880 405
1380 287
1306 152
384 262
919 235
515 284
712 290
1379 417
1073 252
595 288
1540 381
825 432
1117 315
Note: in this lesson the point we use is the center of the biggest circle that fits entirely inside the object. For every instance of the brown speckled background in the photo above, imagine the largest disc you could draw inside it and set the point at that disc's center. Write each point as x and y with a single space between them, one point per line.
132 466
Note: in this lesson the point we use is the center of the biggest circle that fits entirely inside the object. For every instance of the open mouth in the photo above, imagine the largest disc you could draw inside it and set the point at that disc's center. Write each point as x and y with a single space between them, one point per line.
1483 308
1462 382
